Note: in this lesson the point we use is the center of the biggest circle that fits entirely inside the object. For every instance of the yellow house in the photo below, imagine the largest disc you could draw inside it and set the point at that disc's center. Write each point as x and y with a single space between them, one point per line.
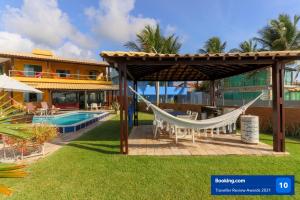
65 83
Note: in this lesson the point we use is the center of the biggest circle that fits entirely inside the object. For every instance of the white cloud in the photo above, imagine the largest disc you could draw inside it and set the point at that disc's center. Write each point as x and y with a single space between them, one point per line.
13 42
71 50
113 20
169 30
43 23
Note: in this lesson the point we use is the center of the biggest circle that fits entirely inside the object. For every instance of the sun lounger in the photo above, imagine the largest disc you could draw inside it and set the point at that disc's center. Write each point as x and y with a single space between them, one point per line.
30 108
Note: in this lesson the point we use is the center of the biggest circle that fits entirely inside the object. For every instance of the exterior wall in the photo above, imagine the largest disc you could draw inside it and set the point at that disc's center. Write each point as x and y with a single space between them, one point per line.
19 97
244 87
53 66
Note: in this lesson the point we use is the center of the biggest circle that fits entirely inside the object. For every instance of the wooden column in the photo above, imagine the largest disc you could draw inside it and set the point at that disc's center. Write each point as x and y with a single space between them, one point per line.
135 104
121 108
278 110
212 93
125 109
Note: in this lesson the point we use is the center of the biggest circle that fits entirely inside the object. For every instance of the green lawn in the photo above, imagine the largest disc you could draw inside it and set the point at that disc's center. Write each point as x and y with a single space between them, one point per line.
91 168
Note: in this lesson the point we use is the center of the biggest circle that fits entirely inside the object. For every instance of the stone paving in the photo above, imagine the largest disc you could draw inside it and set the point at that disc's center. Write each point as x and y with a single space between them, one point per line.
141 142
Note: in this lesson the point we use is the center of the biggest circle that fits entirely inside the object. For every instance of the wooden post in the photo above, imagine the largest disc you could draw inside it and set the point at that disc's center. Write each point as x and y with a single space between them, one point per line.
212 93
135 104
121 107
278 111
125 109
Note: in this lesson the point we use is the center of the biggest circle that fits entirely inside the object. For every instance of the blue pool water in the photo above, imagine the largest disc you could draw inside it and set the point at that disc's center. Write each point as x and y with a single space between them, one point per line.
71 122
67 119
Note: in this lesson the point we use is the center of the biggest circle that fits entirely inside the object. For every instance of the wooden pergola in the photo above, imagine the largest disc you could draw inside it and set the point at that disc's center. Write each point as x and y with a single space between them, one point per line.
140 66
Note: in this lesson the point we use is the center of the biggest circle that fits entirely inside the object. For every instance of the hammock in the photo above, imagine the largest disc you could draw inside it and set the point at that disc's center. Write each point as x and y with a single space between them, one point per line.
216 123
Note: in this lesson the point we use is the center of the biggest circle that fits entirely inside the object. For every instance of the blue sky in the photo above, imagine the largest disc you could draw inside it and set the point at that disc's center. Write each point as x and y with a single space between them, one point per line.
78 28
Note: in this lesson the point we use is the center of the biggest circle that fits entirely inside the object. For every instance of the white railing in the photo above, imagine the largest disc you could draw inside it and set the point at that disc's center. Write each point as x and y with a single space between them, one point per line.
19 73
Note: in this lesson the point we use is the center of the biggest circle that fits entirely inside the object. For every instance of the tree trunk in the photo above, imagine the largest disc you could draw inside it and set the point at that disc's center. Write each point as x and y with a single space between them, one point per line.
157 92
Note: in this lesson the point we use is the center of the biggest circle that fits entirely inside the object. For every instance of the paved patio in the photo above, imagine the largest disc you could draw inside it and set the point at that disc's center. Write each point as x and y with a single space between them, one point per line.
141 142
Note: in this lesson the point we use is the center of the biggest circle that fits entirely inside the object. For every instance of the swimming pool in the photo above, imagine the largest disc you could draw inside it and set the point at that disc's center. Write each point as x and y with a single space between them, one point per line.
72 121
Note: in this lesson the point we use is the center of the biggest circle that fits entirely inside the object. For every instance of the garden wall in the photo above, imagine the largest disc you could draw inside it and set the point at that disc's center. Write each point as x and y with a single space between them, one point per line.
292 115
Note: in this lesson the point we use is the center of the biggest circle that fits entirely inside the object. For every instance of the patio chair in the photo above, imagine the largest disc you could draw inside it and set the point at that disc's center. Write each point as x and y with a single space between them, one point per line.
194 115
94 106
100 105
30 108
87 106
54 110
188 112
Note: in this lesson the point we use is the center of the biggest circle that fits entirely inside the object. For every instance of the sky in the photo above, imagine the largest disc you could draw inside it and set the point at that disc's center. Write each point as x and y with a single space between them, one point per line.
84 28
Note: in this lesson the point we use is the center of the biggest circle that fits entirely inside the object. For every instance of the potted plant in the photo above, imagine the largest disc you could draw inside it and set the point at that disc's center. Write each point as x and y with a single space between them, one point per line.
116 107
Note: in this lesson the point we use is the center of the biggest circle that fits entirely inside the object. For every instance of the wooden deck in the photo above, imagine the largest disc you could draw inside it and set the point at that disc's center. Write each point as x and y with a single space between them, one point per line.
141 142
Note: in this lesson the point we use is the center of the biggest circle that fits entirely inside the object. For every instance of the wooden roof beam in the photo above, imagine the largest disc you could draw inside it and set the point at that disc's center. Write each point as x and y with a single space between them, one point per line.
202 62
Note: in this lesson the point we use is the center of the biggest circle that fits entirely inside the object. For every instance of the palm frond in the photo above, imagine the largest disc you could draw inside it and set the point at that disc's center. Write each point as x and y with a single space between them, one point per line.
280 33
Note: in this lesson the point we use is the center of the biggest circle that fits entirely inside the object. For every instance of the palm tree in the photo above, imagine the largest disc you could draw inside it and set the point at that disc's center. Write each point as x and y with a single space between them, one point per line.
280 34
213 45
151 40
246 46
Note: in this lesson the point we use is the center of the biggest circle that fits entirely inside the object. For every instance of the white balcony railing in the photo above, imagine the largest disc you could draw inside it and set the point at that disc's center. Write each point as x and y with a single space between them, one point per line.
33 74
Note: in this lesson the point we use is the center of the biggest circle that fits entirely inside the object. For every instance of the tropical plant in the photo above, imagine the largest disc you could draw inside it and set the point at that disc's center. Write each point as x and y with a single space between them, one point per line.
116 106
9 115
213 45
19 134
280 34
10 171
246 46
151 40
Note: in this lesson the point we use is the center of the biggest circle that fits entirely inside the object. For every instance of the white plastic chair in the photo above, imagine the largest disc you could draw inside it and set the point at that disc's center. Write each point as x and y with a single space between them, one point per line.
94 106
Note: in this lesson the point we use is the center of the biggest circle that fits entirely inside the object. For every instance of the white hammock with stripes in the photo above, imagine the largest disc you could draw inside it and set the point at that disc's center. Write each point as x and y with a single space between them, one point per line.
223 122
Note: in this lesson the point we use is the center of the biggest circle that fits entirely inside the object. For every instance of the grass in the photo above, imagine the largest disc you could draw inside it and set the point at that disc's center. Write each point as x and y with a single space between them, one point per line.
91 168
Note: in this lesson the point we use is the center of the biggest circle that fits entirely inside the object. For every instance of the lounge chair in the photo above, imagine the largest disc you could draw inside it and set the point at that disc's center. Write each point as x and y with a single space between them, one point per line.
87 106
54 110
100 106
30 108
46 110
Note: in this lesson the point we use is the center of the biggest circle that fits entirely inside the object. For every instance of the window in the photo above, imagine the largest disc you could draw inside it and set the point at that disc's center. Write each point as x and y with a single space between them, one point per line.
64 97
32 97
63 73
93 74
32 70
